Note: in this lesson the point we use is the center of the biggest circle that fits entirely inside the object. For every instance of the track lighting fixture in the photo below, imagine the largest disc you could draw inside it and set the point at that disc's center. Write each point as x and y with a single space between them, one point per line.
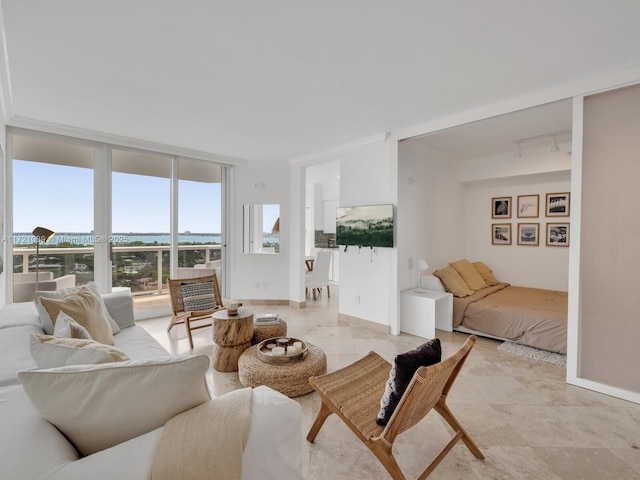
554 144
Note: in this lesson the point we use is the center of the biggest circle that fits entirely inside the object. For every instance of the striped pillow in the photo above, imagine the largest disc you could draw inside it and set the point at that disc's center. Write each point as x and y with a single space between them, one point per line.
198 297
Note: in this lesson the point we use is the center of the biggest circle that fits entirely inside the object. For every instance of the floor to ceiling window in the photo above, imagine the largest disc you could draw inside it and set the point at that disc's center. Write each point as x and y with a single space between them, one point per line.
52 188
57 184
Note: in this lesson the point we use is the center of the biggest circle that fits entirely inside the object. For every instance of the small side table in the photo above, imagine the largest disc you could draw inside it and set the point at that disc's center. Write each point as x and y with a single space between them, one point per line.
231 336
424 311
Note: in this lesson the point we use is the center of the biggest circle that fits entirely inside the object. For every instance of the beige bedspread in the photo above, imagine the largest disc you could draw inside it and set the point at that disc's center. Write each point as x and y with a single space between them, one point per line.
530 316
205 442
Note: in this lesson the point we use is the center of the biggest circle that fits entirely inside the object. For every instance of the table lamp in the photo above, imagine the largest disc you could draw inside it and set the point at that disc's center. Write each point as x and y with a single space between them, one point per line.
422 266
42 235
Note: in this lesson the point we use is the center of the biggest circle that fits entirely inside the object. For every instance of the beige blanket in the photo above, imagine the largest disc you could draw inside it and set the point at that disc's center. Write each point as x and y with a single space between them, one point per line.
205 442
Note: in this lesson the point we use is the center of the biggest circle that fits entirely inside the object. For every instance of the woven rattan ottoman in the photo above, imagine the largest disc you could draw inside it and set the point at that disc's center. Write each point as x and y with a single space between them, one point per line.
290 379
262 332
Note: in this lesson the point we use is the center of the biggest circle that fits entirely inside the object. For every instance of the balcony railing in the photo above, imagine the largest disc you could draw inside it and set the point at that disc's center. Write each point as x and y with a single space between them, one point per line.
138 271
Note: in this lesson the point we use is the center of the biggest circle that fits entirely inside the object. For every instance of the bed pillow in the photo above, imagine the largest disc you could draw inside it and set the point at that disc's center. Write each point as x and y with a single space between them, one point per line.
486 273
67 327
85 308
469 274
453 282
51 352
48 323
99 406
404 366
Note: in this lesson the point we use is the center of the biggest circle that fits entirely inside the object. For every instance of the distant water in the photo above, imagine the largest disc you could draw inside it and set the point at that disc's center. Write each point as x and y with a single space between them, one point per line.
76 238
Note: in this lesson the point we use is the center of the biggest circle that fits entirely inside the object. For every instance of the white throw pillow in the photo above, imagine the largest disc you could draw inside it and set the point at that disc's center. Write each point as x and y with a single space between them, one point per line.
67 327
46 320
51 352
99 406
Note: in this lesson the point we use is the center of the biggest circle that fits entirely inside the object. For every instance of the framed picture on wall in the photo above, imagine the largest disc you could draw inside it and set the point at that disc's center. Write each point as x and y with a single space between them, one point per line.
557 234
529 234
501 234
557 204
501 207
528 206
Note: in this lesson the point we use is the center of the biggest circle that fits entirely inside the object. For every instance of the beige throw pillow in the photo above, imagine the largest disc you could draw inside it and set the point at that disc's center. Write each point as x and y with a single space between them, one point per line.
453 282
486 273
469 274
52 352
85 308
48 323
99 406
67 327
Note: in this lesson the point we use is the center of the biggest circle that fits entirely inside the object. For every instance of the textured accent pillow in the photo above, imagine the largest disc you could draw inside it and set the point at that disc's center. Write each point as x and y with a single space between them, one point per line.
99 406
469 274
198 297
404 366
67 327
85 308
48 323
486 273
52 352
453 282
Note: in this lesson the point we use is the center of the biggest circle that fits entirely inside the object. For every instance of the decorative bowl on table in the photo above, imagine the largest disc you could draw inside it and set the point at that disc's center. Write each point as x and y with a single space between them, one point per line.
279 350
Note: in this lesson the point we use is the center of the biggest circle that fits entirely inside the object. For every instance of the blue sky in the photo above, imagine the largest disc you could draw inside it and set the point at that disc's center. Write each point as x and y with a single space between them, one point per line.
61 199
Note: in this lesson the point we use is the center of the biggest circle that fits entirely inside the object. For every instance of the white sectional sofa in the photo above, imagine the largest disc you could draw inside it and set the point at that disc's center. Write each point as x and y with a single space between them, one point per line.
24 284
32 448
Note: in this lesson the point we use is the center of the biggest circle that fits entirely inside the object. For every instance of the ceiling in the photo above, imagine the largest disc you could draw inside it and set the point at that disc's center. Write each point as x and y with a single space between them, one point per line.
276 80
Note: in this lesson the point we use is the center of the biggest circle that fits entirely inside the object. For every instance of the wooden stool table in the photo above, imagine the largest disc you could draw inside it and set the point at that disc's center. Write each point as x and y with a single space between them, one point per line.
231 336
291 379
262 332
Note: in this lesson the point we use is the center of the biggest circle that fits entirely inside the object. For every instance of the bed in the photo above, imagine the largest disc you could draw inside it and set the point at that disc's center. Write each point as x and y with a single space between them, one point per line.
529 316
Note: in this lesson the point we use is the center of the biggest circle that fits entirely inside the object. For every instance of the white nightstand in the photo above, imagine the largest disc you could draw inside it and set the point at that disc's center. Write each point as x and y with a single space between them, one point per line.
422 312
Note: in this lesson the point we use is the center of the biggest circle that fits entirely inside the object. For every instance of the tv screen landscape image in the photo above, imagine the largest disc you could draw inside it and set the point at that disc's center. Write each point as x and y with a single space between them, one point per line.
367 226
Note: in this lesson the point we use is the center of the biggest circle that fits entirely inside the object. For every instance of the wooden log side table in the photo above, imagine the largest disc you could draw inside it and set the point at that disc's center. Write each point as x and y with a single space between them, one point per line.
231 336
290 379
262 332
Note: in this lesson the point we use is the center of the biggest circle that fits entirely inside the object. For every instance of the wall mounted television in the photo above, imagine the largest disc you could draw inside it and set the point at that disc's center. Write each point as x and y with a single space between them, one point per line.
365 226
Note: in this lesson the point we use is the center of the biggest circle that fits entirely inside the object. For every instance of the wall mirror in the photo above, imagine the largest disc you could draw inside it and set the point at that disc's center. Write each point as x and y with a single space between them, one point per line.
261 228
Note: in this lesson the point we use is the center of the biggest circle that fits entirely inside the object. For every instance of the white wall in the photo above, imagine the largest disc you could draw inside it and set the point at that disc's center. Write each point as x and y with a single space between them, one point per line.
367 276
430 204
260 276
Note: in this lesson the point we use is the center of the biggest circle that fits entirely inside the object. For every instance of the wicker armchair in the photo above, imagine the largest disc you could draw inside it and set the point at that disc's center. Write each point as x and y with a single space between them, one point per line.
180 314
353 393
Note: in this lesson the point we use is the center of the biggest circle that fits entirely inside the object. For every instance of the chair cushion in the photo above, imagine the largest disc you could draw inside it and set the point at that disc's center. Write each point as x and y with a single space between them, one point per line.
198 296
99 406
52 352
67 327
404 366
86 309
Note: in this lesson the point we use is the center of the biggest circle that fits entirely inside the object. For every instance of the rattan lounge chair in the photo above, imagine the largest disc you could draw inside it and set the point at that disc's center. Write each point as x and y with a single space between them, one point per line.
180 314
353 393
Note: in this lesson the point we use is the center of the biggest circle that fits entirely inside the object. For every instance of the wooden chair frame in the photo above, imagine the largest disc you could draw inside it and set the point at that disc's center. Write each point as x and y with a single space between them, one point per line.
353 393
178 314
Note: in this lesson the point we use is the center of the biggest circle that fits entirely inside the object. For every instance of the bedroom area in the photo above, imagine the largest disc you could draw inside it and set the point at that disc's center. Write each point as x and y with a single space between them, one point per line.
496 191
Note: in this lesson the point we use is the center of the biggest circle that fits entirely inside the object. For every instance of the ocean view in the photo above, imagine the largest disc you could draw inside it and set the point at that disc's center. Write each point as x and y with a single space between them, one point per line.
79 239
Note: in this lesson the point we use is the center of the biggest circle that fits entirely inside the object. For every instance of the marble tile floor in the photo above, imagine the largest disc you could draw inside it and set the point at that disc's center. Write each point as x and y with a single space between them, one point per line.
528 422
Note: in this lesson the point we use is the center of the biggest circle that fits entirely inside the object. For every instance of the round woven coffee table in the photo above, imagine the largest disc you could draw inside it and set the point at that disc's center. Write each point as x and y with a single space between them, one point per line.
290 379
262 332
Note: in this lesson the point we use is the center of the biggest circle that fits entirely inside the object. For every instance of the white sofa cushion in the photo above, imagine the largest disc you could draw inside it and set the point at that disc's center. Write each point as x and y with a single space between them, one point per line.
85 308
29 444
51 352
14 345
67 327
98 406
45 319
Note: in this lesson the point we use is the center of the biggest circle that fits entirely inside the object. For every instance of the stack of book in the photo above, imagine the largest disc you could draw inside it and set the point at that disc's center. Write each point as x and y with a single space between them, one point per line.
266 319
